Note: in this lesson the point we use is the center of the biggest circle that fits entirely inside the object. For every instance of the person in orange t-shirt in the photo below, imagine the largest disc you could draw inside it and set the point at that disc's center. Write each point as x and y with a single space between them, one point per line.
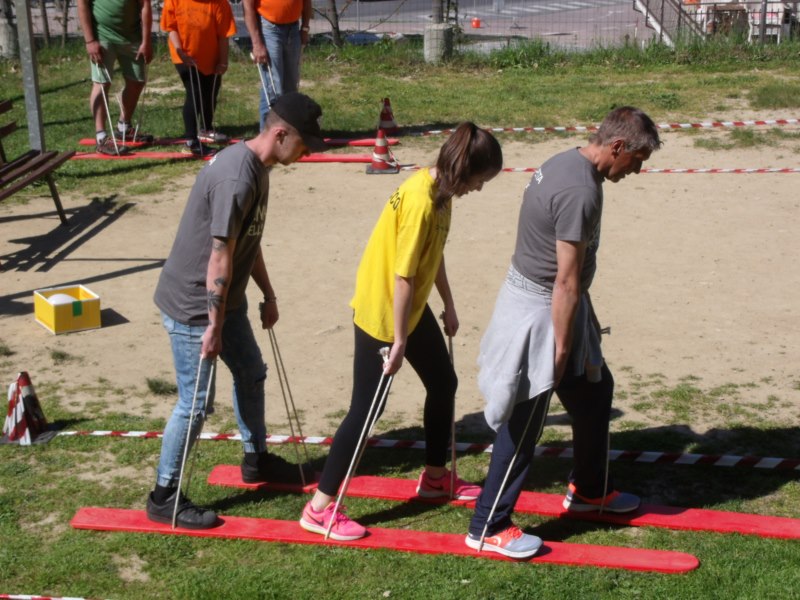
279 30
198 44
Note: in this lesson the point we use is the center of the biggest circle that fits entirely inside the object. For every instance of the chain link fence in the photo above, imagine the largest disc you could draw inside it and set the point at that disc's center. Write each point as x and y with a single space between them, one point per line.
570 24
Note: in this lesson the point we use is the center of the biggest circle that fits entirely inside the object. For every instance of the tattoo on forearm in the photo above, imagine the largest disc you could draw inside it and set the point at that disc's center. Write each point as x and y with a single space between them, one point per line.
218 245
215 300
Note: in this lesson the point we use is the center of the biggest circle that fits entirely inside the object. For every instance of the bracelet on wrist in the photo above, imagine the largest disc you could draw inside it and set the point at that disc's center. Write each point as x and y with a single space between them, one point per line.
305 28
90 42
268 300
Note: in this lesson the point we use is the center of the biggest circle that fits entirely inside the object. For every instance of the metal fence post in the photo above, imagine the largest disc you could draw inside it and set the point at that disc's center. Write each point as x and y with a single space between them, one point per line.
30 76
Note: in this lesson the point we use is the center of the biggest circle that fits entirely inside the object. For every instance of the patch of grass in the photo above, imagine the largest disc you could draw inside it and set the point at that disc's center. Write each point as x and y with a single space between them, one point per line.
144 188
60 357
644 407
728 389
101 388
737 138
679 400
776 95
336 415
161 387
5 350
666 100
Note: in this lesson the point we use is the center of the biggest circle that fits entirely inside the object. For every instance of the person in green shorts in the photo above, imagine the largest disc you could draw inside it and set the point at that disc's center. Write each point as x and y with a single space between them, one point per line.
116 31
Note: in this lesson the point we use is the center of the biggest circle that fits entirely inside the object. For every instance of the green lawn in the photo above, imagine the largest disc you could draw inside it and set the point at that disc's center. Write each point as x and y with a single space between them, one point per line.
41 487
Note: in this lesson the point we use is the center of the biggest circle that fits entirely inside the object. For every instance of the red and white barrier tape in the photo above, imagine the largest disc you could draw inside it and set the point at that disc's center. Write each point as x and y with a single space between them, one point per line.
715 460
36 597
667 126
655 171
745 171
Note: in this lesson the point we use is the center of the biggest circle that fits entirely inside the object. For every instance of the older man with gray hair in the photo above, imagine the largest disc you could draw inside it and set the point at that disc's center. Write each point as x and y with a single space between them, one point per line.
544 336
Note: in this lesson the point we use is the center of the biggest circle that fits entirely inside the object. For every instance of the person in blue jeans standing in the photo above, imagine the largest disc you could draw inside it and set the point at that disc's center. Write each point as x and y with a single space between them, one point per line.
201 295
279 29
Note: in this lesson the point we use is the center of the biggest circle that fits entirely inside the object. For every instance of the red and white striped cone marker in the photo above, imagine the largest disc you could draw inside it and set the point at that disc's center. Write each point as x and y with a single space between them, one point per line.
387 123
383 162
25 421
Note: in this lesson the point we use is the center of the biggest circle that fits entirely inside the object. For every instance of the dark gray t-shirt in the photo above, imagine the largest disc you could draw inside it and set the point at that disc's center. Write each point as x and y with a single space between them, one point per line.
563 201
228 200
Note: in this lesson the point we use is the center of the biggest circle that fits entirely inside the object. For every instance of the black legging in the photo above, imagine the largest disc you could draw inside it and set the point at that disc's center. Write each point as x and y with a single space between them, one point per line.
426 352
205 99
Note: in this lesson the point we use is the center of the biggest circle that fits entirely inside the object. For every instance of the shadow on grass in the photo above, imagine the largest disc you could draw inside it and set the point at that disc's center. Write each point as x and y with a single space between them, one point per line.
657 483
684 486
43 252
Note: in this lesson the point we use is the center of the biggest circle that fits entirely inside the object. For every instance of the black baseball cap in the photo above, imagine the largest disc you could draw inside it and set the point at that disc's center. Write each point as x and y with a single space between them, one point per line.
302 113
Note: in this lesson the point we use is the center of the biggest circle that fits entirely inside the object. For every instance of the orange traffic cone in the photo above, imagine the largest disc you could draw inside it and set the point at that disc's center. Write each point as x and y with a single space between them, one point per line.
383 163
387 123
25 422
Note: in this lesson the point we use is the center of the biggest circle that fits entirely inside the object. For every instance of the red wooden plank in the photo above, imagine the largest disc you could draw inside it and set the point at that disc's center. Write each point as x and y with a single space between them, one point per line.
365 142
648 515
167 141
422 542
311 158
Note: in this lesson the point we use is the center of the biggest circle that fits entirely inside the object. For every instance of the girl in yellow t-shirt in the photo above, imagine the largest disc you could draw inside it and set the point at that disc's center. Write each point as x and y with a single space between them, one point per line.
403 260
198 45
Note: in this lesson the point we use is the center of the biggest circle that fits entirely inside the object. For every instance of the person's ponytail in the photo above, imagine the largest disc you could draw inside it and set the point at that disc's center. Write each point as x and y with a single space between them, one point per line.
468 151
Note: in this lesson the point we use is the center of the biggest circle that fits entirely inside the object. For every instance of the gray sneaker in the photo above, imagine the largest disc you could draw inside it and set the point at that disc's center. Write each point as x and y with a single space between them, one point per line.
197 148
510 542
615 502
209 136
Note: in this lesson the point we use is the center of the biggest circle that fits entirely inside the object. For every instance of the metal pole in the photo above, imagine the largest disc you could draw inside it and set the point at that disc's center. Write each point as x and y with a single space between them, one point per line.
762 26
30 76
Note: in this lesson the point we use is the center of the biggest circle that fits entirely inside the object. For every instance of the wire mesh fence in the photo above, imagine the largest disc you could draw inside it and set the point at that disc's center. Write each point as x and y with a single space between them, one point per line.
570 24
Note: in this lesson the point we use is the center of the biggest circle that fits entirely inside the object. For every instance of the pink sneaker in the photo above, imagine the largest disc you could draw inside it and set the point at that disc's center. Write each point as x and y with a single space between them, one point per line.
344 528
428 487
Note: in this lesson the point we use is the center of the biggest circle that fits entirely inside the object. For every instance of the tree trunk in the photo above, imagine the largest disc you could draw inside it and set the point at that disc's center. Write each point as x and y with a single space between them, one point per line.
333 19
45 25
64 22
8 31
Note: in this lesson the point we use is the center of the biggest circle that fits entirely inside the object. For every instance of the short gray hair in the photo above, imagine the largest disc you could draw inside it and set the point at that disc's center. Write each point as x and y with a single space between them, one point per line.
631 125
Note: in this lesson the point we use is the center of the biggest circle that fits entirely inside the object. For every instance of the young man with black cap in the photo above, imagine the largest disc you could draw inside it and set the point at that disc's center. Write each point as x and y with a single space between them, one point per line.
201 295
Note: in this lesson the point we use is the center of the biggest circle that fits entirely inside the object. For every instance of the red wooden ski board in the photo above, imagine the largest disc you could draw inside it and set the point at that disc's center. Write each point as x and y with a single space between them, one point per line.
422 542
648 515
311 158
169 155
365 142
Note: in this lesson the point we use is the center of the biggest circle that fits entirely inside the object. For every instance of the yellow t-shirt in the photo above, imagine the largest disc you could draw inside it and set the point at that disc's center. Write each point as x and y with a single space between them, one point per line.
408 240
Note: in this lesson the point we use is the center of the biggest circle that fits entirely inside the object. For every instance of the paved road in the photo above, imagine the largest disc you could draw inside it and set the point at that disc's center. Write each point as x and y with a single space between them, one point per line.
410 10
572 23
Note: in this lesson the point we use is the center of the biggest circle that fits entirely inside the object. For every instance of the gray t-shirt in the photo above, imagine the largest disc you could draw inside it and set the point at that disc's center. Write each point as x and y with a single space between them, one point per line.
228 200
563 201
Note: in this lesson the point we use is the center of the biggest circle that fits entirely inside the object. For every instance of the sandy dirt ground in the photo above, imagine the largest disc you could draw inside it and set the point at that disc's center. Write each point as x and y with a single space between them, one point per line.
697 277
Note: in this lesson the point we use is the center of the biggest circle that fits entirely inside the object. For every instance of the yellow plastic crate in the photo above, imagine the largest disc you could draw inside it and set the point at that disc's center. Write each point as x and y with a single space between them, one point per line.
65 309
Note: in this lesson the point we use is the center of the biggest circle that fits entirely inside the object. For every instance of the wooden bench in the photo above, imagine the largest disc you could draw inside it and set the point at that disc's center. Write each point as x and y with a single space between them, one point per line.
33 165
